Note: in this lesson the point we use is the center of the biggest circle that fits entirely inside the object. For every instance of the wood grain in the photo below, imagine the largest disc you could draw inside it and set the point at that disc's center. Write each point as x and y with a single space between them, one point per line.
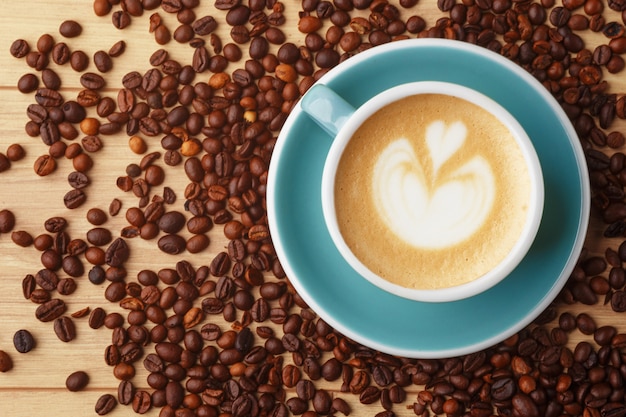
36 385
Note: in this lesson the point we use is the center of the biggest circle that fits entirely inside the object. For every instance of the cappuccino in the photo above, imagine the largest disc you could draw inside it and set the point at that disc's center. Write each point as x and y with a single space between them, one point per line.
432 191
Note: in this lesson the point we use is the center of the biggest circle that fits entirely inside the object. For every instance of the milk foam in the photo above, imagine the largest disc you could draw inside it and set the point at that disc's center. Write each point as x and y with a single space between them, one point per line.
470 166
427 206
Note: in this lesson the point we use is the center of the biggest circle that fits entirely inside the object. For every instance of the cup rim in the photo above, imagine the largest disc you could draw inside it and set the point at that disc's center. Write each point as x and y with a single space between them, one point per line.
536 201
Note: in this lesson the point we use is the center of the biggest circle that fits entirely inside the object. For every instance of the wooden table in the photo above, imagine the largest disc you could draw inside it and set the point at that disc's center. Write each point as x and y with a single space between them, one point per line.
36 385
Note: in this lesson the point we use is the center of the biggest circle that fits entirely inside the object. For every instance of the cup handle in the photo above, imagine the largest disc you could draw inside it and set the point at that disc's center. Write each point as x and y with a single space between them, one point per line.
329 110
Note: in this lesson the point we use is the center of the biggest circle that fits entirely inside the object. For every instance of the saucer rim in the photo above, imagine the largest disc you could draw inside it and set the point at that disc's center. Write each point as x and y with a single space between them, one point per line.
546 298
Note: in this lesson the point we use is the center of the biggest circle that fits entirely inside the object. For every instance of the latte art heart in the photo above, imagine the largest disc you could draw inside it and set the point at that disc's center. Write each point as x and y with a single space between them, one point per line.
431 191
425 203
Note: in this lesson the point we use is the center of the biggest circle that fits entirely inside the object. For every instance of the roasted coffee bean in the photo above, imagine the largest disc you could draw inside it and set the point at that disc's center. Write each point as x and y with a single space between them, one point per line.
594 265
73 112
153 363
78 180
72 266
15 152
523 405
121 19
51 261
105 404
172 244
49 132
66 286
60 53
70 29
77 381
117 253
7 221
125 392
331 370
50 79
322 401
79 61
45 43
76 247
64 329
197 243
6 363
142 402
48 97
151 80
583 293
503 389
55 224
99 236
117 49
199 224
618 301
19 48
37 60
28 285
220 264
88 98
28 83
96 318
92 81
47 279
369 395
102 61
585 323
169 352
22 238
204 25
172 222
50 310
23 341
37 113
74 198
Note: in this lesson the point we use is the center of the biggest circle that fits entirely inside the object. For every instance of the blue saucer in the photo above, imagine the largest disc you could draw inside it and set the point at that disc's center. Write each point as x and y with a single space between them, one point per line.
394 324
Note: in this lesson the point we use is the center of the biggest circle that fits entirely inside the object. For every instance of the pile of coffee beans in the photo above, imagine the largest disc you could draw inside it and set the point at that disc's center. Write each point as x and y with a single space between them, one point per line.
219 130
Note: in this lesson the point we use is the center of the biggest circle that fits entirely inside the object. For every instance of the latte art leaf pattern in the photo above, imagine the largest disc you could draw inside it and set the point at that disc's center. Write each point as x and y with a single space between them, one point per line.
431 207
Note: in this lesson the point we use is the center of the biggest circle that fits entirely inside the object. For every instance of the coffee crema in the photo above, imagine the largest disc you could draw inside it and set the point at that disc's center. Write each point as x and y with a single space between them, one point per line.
432 191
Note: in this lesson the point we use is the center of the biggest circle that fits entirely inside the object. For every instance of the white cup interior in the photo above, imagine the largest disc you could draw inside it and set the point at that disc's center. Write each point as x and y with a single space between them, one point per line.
534 214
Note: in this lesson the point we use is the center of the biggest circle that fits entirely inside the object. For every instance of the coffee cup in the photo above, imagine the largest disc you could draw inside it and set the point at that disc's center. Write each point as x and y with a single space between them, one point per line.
431 190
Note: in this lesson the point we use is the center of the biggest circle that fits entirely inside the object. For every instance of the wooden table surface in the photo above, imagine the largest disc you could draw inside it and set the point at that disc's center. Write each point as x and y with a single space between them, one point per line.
36 384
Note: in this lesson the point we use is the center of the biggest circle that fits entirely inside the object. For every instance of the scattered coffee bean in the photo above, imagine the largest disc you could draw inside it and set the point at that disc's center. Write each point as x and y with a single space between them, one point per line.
15 152
64 329
70 29
74 198
172 244
50 310
105 404
103 62
22 238
7 221
6 363
79 61
117 49
96 216
23 341
19 48
5 162
44 165
115 207
28 83
77 381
